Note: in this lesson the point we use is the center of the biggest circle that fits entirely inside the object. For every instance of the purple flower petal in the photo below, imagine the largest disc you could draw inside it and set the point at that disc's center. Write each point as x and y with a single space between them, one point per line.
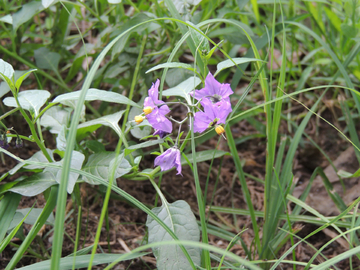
161 133
214 90
159 121
169 159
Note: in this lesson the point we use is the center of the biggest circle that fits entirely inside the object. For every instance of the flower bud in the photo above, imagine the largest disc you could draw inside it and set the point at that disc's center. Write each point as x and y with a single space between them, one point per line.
219 130
147 110
139 119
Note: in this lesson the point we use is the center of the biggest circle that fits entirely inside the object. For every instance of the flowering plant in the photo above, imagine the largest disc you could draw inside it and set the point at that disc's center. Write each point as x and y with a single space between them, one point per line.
211 110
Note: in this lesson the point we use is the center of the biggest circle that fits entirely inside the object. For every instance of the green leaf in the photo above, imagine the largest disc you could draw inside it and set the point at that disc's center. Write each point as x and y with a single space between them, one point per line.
171 65
76 162
95 94
7 19
31 100
46 59
61 139
4 89
26 13
31 218
181 220
110 120
114 1
204 155
132 148
101 165
8 205
83 132
37 157
183 89
232 62
6 70
48 3
349 31
344 174
201 42
35 184
81 261
183 6
95 146
54 118
23 77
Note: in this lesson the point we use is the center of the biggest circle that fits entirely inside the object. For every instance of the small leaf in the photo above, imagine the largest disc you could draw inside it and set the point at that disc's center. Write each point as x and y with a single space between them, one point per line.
31 100
178 217
23 77
171 65
204 155
95 94
100 164
46 59
34 184
228 63
76 162
7 19
183 89
95 146
6 70
110 120
54 118
132 148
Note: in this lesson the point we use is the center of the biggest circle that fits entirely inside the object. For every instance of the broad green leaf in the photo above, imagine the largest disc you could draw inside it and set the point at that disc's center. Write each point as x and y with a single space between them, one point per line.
8 205
235 61
183 89
204 155
45 59
7 19
31 100
110 120
54 118
6 70
181 220
25 74
26 13
141 130
101 165
95 94
35 184
38 157
84 132
201 42
81 261
171 65
348 30
76 162
31 217
132 148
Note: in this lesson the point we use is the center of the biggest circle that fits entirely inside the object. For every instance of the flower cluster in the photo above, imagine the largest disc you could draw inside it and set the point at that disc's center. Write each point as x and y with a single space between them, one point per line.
215 100
4 141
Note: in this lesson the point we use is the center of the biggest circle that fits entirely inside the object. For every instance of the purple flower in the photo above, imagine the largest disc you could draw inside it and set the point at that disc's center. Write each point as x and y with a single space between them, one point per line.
213 114
169 159
155 110
214 90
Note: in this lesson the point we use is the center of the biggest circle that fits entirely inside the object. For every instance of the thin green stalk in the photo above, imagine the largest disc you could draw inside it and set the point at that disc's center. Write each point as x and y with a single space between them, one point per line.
31 65
199 195
9 113
77 236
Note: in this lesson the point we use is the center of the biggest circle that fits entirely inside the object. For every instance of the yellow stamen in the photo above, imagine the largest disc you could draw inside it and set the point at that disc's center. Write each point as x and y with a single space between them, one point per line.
147 110
219 130
139 119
